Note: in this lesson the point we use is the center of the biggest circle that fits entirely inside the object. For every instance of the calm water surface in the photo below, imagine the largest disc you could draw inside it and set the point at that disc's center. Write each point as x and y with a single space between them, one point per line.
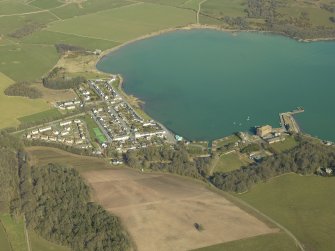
205 84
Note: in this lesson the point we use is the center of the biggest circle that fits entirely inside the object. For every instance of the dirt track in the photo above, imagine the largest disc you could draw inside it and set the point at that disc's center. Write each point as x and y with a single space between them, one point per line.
160 210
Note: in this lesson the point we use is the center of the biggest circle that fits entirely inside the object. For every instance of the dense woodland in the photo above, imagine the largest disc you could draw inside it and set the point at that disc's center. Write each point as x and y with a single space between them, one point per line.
57 79
23 89
56 202
306 158
169 159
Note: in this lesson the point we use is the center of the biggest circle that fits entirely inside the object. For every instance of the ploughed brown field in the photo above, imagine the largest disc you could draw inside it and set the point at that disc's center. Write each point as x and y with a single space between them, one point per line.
160 210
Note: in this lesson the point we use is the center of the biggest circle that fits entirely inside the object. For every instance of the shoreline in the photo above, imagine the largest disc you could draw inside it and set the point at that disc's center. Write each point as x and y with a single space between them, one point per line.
205 27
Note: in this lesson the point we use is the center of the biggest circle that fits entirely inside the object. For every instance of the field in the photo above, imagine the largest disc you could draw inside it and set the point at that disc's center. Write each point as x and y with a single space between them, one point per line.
16 107
27 62
125 23
41 116
52 96
15 232
44 155
164 209
230 162
273 242
4 242
303 204
91 125
99 136
288 144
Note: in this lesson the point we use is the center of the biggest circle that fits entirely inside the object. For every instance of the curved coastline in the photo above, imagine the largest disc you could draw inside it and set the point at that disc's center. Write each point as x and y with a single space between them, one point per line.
187 28
201 26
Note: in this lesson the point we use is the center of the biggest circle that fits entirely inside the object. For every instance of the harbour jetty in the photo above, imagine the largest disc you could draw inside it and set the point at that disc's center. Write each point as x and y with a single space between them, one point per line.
288 122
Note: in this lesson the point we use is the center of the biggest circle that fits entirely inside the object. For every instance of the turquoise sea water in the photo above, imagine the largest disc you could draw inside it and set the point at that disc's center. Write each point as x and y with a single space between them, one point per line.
204 84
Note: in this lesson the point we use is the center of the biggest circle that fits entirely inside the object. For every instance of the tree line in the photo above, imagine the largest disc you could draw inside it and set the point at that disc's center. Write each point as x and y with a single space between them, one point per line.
306 158
169 158
23 89
58 80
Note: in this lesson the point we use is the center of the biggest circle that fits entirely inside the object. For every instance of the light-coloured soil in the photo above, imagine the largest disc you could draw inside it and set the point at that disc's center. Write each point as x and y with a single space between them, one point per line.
159 210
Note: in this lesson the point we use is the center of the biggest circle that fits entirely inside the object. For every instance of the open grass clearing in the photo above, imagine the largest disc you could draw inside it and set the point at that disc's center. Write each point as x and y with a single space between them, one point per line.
52 96
285 145
40 155
302 204
231 161
27 62
164 208
15 232
274 242
126 23
16 107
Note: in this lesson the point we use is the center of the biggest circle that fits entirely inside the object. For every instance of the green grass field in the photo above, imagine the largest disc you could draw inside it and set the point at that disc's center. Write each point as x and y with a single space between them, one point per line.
287 144
16 107
15 232
221 8
273 242
305 205
51 114
98 135
230 162
27 62
91 125
126 23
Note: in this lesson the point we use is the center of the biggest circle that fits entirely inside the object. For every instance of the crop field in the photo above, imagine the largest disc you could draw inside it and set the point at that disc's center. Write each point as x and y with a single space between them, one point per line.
44 155
27 62
9 24
273 242
41 116
45 4
87 7
16 107
51 38
126 23
230 162
8 7
302 204
163 208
